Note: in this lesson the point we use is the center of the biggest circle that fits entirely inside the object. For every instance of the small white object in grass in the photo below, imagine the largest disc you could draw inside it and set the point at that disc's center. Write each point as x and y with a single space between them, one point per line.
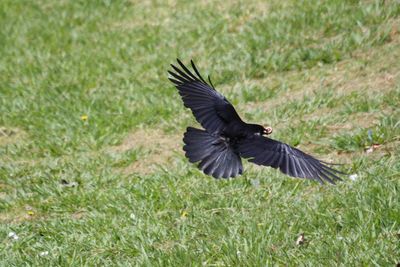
132 216
300 240
65 183
13 235
353 177
43 253
372 148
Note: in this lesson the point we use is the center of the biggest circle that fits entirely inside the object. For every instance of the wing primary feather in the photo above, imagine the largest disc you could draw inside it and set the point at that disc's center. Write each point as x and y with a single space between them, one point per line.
176 82
314 173
301 169
319 172
295 167
330 173
332 170
197 72
186 70
176 76
184 75
209 79
327 164
326 176
308 172
326 170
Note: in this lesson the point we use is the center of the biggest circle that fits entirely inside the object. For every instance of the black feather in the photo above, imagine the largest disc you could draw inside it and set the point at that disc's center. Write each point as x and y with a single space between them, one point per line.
197 72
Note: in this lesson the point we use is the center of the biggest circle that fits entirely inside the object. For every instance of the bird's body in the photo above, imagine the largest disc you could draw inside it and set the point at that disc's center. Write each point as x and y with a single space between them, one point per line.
227 138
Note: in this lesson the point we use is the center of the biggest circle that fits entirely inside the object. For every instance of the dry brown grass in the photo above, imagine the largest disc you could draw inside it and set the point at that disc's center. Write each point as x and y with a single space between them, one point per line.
159 149
18 215
10 135
77 215
165 246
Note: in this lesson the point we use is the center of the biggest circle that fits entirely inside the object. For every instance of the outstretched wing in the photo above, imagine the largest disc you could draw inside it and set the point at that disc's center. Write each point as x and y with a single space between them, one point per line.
291 161
211 109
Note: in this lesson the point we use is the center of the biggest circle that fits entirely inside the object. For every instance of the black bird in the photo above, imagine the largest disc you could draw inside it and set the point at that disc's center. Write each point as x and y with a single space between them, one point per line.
227 138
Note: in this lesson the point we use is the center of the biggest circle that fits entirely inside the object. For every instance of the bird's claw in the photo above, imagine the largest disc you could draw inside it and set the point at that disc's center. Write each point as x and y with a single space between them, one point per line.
267 130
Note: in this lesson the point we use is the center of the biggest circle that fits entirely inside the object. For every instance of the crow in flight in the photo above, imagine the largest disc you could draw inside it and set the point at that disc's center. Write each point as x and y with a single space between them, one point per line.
227 138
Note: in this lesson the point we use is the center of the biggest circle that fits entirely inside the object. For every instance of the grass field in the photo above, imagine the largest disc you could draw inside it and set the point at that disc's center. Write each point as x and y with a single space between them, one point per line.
91 167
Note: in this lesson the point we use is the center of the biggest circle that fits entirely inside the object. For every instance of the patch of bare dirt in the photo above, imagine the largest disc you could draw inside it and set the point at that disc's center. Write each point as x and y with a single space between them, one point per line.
165 246
18 215
10 135
77 215
159 149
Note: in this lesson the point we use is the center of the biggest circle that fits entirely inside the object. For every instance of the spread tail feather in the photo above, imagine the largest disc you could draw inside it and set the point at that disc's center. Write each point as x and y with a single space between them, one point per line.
216 156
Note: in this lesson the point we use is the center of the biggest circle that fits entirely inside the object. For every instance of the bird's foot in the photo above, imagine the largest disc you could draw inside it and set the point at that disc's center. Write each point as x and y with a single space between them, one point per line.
267 130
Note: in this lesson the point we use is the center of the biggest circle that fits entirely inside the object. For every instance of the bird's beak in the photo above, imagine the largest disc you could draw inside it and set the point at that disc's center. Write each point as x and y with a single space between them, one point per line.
267 130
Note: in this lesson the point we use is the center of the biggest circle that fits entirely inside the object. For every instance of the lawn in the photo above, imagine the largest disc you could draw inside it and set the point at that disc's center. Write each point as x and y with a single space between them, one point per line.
92 171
